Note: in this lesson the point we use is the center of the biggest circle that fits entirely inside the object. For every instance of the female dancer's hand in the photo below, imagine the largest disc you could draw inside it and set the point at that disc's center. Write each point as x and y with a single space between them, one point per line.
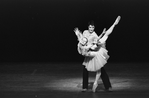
76 29
78 33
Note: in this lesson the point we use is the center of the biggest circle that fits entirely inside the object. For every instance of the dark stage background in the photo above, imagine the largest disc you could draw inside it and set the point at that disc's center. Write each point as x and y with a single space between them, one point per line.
42 30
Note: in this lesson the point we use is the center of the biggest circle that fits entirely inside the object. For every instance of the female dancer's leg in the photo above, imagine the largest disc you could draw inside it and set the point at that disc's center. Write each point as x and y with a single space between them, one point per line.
98 73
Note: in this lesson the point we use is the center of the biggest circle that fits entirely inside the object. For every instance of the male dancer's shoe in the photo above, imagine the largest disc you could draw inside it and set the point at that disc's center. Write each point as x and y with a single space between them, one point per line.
84 90
108 89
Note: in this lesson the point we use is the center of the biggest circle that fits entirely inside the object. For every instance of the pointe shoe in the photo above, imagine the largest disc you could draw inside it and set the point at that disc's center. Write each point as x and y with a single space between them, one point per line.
94 87
117 20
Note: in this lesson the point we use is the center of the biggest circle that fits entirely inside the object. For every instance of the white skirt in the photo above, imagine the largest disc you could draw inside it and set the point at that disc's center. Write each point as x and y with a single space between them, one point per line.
96 60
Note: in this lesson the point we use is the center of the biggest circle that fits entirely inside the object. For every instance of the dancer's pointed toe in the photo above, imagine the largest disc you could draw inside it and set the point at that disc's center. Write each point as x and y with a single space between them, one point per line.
94 87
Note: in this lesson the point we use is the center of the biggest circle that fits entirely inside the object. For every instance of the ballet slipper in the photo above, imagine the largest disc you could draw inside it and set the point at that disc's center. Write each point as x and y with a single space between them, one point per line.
94 87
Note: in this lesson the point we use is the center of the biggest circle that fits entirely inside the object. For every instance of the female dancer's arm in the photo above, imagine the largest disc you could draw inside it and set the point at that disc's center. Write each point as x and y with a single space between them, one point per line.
78 33
79 48
103 32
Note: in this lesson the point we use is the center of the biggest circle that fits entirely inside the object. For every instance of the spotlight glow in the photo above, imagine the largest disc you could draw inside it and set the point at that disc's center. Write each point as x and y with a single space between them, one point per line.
71 84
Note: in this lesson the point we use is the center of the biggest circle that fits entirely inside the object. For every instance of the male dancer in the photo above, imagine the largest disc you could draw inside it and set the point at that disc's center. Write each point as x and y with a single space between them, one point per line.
104 76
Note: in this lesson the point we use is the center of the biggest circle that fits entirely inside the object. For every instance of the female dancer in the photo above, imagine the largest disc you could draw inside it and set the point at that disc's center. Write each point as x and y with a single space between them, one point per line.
93 47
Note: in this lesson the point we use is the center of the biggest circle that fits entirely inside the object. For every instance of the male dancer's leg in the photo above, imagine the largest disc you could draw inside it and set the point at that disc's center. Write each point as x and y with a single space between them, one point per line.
85 78
105 79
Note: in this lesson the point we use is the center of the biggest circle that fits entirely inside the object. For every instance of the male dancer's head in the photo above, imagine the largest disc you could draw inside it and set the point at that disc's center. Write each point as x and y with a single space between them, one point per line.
91 27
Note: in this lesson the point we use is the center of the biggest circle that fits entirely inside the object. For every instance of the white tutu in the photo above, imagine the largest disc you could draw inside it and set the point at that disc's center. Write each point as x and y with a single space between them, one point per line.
96 60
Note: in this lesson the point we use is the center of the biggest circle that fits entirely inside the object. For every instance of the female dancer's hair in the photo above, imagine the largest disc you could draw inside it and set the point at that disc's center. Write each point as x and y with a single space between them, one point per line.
84 41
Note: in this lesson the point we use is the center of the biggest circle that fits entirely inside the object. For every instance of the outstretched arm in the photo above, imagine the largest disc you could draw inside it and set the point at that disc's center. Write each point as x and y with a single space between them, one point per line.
78 33
103 32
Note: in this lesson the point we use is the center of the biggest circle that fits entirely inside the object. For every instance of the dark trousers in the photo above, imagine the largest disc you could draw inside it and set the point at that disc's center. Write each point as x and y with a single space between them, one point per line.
85 78
104 77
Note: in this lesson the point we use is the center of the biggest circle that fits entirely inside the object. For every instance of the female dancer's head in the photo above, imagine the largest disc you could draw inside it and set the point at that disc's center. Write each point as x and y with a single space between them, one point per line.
83 40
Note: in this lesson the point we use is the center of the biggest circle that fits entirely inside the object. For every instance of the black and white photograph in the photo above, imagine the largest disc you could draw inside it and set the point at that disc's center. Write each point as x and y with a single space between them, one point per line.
74 49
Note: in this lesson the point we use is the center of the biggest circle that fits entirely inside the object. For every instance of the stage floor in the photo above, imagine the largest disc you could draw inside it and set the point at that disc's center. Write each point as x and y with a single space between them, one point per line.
63 80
